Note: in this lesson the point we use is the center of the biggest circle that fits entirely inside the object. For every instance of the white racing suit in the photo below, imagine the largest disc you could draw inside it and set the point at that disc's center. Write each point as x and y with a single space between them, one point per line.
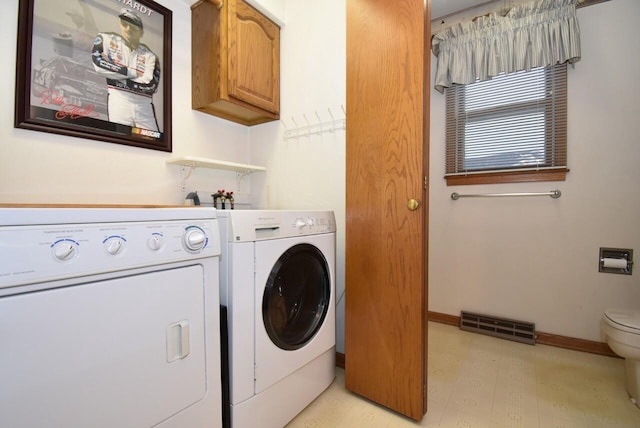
132 78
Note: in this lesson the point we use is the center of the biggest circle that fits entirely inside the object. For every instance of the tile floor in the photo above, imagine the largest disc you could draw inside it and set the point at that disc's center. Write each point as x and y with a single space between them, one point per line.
477 381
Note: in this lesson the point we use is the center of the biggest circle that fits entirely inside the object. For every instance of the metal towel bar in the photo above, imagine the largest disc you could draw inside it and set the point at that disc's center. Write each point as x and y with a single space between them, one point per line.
555 194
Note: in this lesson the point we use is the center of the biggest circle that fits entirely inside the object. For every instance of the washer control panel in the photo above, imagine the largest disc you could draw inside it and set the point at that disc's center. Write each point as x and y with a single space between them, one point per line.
313 224
32 254
259 225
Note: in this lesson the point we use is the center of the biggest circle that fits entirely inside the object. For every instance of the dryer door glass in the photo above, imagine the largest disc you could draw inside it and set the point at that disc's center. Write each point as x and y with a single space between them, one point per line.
296 296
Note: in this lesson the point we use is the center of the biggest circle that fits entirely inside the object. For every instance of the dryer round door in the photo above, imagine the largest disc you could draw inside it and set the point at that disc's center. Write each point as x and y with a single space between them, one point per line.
296 296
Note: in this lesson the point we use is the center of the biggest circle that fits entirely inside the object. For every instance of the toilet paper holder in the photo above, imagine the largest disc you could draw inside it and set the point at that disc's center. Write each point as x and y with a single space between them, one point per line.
616 260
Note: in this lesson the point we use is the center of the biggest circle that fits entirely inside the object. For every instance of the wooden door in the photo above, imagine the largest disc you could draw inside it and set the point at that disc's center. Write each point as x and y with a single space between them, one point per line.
386 250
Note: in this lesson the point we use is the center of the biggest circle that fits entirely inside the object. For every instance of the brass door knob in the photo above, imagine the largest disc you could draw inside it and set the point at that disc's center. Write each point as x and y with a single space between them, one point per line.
413 204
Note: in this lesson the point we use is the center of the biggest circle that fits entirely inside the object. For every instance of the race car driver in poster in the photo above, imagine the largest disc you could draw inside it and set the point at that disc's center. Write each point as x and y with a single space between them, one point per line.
132 71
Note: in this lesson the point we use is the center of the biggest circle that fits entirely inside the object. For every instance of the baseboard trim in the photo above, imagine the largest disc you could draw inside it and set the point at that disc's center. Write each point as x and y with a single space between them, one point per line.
589 346
444 318
556 340
340 360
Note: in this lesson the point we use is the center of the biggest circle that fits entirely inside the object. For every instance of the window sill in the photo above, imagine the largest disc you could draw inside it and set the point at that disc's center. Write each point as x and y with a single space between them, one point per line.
507 177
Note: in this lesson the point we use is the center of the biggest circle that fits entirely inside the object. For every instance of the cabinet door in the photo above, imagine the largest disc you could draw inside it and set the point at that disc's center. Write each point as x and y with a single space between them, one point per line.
254 57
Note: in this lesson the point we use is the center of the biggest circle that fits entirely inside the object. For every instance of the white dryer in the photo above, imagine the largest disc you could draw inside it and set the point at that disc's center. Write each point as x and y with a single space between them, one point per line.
277 287
109 318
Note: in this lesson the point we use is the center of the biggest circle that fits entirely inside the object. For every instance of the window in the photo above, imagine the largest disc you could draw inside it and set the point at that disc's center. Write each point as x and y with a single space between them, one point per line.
507 129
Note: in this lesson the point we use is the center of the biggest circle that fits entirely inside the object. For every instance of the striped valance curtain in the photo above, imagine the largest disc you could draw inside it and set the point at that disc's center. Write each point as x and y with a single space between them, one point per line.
535 34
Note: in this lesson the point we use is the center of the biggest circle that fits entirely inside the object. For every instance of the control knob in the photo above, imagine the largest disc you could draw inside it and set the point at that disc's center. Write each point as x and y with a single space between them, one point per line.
114 246
155 242
65 250
194 239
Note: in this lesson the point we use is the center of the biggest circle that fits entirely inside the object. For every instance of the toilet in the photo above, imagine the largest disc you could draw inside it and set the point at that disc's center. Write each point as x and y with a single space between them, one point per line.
622 332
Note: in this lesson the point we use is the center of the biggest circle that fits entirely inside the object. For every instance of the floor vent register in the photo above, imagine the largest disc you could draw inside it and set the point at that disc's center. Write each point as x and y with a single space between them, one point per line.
519 331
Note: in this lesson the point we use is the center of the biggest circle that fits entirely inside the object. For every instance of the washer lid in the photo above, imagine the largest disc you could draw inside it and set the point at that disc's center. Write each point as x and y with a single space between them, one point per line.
626 318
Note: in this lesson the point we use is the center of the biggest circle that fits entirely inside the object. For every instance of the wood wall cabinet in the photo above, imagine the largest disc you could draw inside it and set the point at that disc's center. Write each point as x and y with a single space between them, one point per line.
235 62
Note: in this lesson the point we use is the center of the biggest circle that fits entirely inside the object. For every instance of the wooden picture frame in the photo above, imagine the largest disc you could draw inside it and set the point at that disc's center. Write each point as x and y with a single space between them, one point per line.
79 72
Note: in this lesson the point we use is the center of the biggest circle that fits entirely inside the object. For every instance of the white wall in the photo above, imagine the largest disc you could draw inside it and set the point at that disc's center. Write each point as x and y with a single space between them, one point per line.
536 259
37 167
308 172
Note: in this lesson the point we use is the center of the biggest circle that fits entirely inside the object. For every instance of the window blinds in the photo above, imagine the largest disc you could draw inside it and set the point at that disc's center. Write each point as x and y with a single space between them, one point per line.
513 122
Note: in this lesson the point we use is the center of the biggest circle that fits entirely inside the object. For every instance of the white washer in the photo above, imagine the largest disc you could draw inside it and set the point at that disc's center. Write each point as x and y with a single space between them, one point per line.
109 318
277 285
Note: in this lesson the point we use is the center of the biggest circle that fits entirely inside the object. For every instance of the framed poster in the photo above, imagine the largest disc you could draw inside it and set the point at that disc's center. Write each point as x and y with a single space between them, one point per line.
97 69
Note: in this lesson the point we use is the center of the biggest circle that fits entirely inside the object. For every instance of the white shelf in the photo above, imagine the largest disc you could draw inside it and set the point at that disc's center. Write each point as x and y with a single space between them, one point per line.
190 162
194 162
